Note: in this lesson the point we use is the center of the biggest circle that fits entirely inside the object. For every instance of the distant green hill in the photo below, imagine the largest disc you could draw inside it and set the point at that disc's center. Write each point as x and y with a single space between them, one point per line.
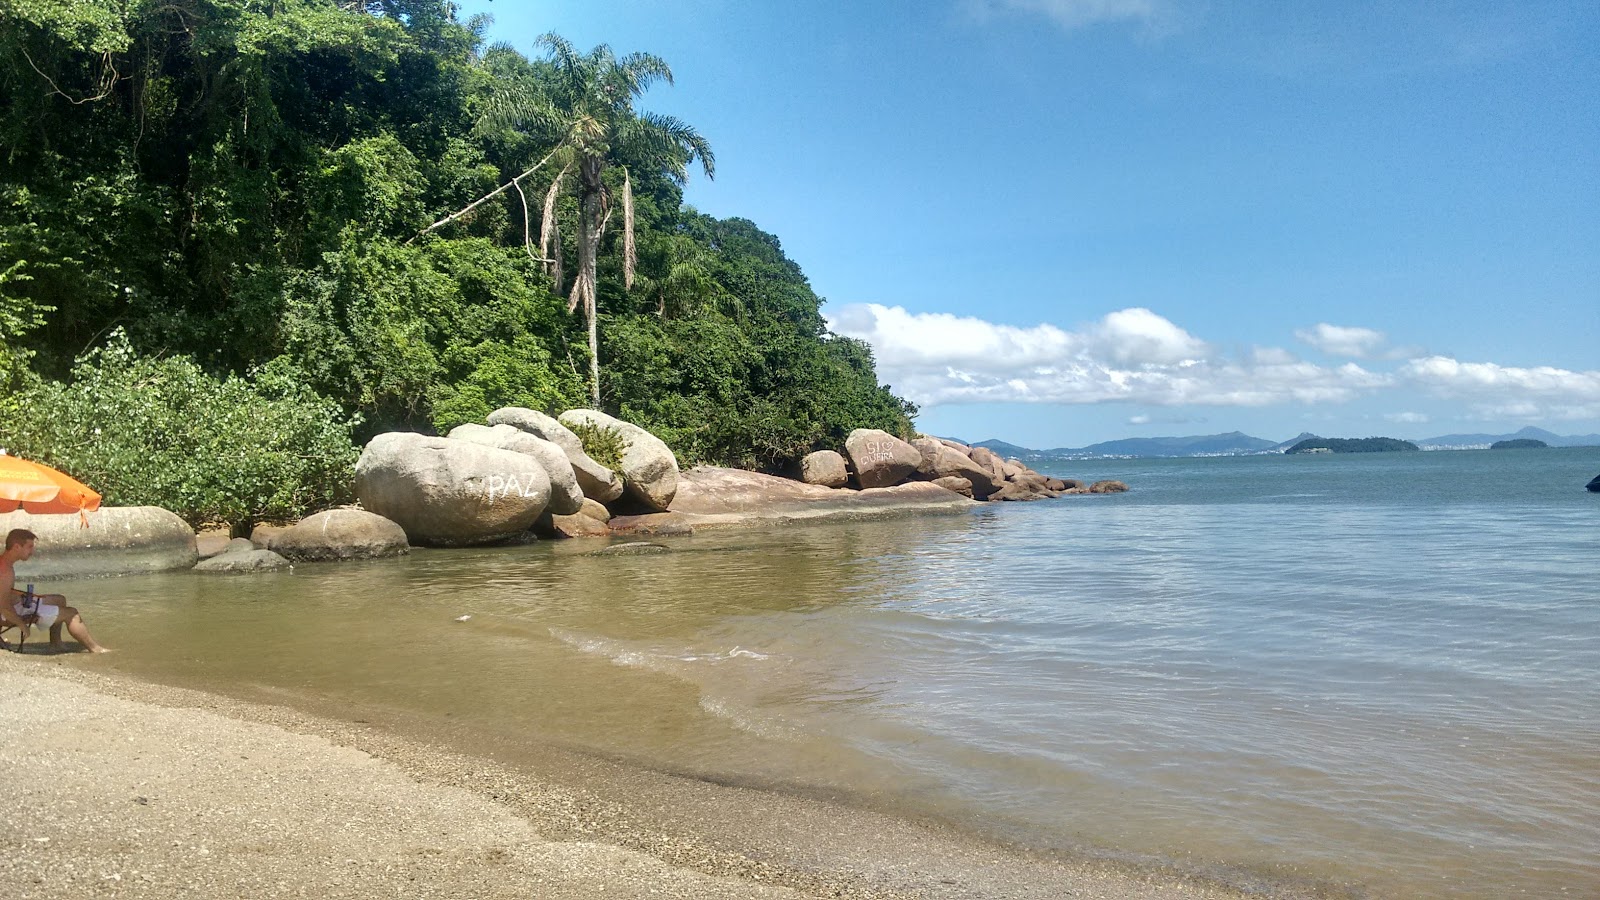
1351 445
1518 444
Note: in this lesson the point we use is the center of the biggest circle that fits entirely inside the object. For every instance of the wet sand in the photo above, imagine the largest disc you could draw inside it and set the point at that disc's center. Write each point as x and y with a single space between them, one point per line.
145 790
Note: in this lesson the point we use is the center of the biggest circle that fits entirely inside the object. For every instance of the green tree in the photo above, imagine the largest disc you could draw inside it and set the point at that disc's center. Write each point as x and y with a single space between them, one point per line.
586 106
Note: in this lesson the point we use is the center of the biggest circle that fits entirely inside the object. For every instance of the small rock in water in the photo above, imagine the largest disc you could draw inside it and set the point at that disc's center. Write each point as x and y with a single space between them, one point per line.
630 548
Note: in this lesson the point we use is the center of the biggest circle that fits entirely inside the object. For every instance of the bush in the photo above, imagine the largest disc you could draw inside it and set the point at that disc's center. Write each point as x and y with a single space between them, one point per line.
604 445
161 432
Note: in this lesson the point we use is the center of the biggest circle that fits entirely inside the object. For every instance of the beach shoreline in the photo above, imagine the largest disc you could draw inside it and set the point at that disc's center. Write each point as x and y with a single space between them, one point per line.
160 790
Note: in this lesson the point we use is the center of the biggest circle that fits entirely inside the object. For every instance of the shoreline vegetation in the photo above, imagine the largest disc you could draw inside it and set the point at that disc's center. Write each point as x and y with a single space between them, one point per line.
258 800
238 242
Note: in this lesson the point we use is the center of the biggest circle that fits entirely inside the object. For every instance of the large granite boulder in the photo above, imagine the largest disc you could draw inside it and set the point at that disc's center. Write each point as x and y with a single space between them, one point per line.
649 470
1107 487
596 481
880 459
566 497
957 446
824 467
449 493
242 562
950 463
990 460
113 540
929 448
339 534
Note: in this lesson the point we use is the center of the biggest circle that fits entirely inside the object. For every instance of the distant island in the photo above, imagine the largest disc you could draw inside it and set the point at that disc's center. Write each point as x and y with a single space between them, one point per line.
1351 445
1518 444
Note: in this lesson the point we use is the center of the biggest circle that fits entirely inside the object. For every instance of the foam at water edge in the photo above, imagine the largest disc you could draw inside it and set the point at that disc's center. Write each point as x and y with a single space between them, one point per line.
742 720
652 660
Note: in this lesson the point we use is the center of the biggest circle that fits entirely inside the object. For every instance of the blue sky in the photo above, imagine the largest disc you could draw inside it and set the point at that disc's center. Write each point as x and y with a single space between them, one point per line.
1066 221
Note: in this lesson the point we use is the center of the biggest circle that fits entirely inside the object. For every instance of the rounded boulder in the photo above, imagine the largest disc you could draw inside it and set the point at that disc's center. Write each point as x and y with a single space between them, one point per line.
447 493
824 467
113 540
596 481
566 497
339 534
649 470
880 459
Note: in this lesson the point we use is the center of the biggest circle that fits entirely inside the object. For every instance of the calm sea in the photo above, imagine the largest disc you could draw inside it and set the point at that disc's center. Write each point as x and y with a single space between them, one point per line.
1374 674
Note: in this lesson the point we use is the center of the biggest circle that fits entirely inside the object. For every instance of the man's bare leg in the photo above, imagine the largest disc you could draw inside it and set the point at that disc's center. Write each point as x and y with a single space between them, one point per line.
76 628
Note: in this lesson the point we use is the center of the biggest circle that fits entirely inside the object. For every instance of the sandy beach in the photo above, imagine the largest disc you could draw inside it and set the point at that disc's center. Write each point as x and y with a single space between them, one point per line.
145 790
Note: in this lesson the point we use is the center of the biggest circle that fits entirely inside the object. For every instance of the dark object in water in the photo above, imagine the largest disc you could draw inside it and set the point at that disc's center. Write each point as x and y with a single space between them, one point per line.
1594 484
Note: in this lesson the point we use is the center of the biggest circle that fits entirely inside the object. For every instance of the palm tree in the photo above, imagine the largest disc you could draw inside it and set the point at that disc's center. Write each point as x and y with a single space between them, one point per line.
585 104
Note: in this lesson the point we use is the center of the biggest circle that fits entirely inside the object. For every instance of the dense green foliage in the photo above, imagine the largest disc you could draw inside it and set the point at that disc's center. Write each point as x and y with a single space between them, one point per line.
161 431
1352 445
1518 444
258 186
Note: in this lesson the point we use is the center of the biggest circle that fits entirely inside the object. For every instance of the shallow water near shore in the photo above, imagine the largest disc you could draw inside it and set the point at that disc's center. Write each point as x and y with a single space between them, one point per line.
1373 674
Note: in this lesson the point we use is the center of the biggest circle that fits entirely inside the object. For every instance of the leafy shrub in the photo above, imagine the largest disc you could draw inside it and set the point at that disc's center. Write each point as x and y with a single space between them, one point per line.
161 432
604 445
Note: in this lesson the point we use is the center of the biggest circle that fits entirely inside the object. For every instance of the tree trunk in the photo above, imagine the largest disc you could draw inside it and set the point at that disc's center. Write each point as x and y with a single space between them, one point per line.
591 223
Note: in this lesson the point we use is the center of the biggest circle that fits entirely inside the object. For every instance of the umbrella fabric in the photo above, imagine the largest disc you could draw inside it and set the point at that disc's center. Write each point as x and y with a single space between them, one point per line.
39 489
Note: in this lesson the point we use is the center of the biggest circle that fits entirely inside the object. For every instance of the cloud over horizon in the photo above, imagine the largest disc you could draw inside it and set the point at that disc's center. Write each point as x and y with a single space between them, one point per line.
1137 356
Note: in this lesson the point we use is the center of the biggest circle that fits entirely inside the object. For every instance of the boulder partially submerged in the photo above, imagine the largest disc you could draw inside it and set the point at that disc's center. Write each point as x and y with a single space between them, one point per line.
341 534
243 562
113 540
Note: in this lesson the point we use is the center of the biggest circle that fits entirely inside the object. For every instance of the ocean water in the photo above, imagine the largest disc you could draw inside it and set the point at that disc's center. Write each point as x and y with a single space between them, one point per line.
1367 675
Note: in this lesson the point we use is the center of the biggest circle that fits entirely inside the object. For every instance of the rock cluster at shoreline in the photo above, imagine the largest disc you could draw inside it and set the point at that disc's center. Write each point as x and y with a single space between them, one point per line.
526 475
874 459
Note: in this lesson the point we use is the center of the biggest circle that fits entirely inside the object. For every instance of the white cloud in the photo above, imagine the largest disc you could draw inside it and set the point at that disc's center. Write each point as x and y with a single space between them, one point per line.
1138 336
1496 391
1136 356
1336 340
1071 14
1131 355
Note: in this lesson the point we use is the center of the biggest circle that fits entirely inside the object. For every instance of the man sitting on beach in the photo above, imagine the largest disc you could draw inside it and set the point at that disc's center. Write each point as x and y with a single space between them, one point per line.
20 610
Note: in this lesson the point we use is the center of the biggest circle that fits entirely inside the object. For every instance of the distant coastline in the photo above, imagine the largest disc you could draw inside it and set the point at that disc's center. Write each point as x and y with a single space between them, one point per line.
1237 443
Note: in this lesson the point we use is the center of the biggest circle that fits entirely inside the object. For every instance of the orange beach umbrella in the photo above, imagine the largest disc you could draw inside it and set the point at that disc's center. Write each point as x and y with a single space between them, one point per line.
39 489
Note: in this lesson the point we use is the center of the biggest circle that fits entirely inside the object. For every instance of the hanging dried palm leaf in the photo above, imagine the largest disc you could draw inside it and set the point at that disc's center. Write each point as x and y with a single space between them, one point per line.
549 233
630 257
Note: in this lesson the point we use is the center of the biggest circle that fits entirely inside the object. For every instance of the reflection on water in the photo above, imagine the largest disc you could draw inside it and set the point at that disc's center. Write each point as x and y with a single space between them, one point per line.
1397 694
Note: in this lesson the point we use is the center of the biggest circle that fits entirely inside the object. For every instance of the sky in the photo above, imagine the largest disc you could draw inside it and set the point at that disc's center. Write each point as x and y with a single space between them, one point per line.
1059 222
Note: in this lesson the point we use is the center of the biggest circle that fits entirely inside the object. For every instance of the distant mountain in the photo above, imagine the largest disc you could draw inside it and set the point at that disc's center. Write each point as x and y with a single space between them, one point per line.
1005 449
1482 441
1233 443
